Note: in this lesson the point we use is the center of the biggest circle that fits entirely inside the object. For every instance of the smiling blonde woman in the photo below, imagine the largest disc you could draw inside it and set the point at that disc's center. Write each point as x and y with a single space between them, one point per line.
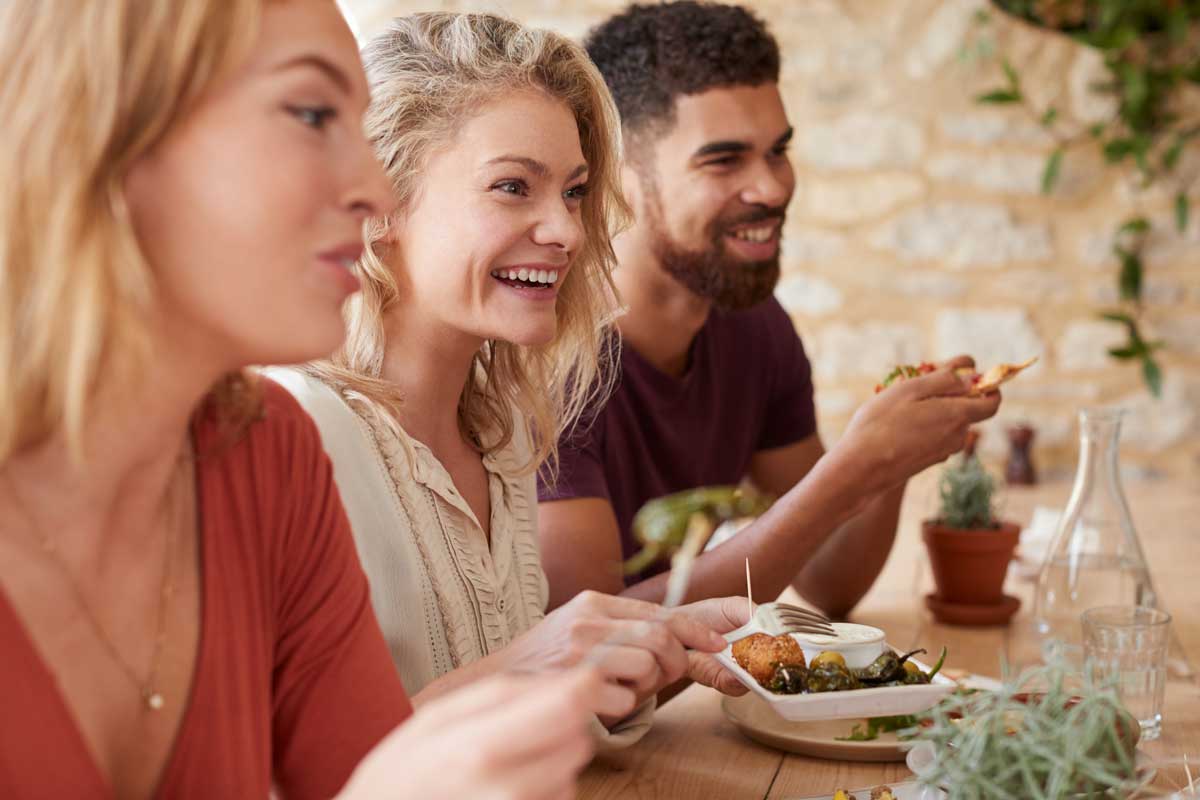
486 309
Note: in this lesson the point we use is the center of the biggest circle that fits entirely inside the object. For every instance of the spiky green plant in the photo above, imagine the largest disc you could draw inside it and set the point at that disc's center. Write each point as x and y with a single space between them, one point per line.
967 492
1035 738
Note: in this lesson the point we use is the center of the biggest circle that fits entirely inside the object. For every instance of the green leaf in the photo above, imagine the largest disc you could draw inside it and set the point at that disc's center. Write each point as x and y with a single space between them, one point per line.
1130 281
1117 149
1049 117
1126 353
1097 130
999 97
1171 156
1135 225
1182 210
1152 374
1014 80
1050 174
1119 316
1177 23
1135 89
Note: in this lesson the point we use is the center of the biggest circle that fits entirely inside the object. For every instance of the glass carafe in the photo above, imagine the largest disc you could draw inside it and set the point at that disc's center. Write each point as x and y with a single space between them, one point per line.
1095 559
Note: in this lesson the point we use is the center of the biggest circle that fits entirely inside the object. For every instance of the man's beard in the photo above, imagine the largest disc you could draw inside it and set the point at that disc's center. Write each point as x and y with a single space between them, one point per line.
732 283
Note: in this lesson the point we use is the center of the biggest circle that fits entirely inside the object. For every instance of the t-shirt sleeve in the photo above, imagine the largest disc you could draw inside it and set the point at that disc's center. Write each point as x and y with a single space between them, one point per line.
580 464
335 691
790 411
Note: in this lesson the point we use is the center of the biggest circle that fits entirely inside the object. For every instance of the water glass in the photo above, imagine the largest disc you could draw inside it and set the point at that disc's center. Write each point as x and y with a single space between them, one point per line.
1126 646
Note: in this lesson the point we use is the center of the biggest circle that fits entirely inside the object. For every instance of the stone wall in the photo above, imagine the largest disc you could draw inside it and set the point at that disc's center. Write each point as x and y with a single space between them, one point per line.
918 230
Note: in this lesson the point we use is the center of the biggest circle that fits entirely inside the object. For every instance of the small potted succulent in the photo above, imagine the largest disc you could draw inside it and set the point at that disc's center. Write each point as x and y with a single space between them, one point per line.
969 549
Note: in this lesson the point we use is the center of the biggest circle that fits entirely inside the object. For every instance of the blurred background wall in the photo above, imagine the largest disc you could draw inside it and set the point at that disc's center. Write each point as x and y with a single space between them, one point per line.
919 230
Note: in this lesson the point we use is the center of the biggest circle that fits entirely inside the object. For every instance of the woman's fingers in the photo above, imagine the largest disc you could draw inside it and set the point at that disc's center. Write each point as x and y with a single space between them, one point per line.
706 670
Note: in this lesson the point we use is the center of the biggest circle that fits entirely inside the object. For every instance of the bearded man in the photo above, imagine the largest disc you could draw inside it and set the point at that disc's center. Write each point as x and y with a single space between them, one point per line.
714 385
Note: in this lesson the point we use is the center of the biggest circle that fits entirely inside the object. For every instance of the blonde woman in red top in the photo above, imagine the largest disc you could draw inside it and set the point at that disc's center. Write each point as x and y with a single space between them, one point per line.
181 610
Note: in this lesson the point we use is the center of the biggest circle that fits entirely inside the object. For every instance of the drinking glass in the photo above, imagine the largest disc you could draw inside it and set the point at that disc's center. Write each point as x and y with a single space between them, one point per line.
1126 646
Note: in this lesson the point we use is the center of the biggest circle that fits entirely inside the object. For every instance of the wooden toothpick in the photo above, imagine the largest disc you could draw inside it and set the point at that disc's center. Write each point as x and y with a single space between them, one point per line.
749 593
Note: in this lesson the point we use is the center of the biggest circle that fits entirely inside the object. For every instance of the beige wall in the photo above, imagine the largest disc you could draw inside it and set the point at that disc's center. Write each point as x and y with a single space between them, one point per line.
918 230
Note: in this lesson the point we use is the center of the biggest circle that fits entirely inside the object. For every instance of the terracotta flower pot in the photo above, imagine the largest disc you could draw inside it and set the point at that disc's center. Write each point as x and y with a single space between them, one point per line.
969 565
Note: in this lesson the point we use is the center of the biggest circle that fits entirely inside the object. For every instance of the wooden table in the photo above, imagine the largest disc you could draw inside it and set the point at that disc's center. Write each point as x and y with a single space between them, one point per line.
694 753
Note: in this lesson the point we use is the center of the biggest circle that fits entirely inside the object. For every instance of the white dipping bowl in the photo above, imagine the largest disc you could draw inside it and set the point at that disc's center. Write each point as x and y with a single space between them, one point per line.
858 644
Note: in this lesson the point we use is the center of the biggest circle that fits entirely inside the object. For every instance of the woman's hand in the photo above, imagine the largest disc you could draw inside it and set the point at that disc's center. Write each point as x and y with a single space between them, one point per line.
635 643
720 614
632 642
502 738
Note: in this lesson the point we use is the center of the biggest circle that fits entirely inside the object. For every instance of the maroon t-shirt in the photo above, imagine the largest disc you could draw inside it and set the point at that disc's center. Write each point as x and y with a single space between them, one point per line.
748 387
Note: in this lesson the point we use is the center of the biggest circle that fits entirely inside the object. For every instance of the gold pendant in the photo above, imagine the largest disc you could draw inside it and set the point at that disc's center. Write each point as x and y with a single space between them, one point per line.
154 701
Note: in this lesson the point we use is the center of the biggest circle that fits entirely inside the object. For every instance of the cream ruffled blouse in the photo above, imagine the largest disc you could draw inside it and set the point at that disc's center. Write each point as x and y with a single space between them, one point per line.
442 596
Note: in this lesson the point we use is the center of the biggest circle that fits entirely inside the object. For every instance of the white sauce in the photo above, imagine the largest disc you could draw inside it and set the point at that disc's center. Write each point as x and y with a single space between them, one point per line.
846 633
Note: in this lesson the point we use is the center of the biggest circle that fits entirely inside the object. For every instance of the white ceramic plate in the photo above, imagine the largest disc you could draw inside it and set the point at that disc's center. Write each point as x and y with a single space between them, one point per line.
883 701
909 790
819 738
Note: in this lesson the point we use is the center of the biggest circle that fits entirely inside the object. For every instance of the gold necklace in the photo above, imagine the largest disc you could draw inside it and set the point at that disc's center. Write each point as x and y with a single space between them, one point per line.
152 699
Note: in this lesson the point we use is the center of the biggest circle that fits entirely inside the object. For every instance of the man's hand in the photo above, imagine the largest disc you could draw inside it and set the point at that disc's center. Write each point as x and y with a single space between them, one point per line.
913 425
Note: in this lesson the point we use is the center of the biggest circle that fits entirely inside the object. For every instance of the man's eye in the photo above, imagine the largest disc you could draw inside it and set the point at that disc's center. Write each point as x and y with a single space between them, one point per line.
313 116
726 161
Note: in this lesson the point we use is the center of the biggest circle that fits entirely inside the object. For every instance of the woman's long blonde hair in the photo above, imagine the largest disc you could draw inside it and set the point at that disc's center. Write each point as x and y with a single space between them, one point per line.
85 90
428 72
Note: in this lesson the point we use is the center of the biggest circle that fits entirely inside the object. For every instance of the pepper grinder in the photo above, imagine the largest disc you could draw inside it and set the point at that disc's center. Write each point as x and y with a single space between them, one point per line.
1020 469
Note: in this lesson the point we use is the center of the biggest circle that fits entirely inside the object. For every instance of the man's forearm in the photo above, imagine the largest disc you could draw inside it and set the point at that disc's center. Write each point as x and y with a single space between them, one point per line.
845 567
779 543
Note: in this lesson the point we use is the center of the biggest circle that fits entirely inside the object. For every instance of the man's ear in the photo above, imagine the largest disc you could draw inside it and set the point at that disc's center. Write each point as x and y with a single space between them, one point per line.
631 186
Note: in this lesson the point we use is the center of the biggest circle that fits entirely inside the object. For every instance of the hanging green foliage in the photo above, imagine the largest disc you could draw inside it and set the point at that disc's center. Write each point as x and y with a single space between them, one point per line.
1151 53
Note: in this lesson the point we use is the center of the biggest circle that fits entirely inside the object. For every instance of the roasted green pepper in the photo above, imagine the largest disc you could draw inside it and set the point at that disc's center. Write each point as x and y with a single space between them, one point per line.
788 679
661 525
888 668
831 677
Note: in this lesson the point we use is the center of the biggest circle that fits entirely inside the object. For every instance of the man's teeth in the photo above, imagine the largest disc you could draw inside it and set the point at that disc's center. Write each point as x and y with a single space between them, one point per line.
547 277
758 235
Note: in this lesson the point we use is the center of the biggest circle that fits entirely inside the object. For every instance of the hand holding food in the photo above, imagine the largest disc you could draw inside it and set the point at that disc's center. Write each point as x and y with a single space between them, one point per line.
522 736
631 642
722 615
914 424
981 383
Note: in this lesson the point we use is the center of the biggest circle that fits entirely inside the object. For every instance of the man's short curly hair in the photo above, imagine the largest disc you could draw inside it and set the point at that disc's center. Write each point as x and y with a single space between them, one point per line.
651 54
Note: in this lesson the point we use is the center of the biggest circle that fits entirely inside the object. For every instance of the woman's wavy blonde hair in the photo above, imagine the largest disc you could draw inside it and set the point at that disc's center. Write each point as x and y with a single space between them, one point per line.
85 90
428 72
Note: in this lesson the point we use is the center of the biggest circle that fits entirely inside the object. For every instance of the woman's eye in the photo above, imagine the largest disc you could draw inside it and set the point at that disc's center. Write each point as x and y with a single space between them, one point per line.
313 116
514 187
577 192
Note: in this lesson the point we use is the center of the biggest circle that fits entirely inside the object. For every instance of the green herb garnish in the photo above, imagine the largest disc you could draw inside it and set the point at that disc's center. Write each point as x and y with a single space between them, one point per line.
878 725
938 666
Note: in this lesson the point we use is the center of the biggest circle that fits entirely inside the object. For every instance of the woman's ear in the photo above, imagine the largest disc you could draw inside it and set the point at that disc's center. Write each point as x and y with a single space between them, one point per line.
389 231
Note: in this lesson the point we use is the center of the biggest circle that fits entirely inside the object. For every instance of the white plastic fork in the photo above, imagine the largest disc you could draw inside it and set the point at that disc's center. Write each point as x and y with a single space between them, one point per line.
777 618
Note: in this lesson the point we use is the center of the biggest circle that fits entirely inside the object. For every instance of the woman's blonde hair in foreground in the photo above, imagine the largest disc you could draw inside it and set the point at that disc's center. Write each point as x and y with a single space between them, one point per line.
85 90
428 73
